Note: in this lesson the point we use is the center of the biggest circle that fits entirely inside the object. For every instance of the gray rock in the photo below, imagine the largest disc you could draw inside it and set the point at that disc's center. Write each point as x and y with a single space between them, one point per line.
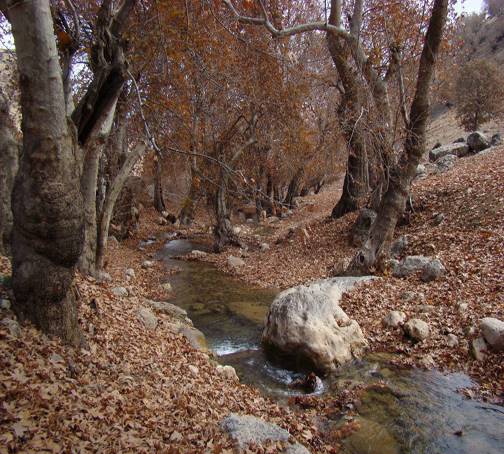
360 230
459 140
425 308
446 163
147 317
103 276
235 262
247 429
421 170
477 141
462 307
410 265
438 219
228 372
455 149
417 329
12 326
198 254
452 340
394 319
120 291
479 349
493 332
130 272
398 246
167 287
167 308
307 324
5 304
496 140
433 270
265 247
295 448
195 337
147 264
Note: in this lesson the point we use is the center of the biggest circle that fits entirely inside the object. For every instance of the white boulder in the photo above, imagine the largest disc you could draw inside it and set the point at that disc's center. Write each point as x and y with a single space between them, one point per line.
493 332
307 324
417 329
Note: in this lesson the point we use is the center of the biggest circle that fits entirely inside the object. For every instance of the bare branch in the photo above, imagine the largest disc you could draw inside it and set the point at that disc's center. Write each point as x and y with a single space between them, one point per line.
297 29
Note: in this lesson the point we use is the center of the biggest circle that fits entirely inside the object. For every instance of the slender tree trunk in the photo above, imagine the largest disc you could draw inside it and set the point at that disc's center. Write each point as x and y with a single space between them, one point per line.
159 203
9 154
393 202
186 215
223 230
110 200
46 202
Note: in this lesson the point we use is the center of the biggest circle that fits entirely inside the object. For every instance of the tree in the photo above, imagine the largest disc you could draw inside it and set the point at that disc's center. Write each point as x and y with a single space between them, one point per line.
494 7
46 202
479 93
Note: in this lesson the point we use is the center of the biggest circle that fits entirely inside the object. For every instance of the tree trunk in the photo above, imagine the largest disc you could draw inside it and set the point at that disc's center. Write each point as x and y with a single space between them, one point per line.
159 203
46 202
9 154
186 215
294 187
223 230
376 248
110 200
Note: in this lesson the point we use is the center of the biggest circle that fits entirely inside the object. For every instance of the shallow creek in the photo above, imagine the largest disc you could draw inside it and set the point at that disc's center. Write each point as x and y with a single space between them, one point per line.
419 411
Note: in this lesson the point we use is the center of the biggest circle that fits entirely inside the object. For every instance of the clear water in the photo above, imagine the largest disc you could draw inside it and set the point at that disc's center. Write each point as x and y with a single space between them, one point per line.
418 411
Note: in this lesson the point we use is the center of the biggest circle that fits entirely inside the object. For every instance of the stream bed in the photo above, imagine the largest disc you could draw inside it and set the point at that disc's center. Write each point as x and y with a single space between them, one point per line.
419 411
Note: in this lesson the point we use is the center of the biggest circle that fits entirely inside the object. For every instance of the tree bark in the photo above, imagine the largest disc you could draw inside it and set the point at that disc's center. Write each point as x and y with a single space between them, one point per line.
223 230
9 155
376 248
186 215
294 187
46 202
159 203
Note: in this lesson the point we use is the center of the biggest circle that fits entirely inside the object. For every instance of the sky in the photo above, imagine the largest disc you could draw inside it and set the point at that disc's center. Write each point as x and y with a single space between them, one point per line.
469 6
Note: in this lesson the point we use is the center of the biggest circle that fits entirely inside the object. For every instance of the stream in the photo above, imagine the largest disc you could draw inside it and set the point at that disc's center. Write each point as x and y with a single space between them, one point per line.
419 411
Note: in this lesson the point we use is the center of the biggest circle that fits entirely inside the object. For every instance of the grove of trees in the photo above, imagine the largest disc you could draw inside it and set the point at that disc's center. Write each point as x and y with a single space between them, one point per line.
247 100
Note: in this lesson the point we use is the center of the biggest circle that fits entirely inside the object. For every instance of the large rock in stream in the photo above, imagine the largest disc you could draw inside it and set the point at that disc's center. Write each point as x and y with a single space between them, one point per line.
306 324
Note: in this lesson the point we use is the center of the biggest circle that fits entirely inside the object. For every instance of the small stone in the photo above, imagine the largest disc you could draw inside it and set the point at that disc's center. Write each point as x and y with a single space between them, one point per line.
462 307
198 254
55 359
193 369
433 270
425 308
477 141
147 317
479 349
103 276
493 332
166 287
417 329
438 219
399 246
394 319
120 291
237 230
5 304
265 247
228 372
496 140
235 262
12 326
130 272
428 362
452 340
147 264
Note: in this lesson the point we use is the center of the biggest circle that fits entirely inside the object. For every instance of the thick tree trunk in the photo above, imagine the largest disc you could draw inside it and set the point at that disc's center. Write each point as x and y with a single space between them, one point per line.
393 202
159 203
294 188
110 200
9 155
46 202
223 230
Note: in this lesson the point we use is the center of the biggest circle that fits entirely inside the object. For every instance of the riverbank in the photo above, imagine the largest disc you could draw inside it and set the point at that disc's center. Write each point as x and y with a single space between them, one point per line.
134 387
458 218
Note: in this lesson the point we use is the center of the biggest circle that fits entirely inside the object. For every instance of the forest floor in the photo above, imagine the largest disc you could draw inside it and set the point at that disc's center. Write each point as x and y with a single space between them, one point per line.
142 390
469 241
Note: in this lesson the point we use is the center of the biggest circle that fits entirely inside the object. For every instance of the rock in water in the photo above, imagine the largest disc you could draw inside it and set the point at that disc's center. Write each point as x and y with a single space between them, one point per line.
477 141
493 332
417 329
307 324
